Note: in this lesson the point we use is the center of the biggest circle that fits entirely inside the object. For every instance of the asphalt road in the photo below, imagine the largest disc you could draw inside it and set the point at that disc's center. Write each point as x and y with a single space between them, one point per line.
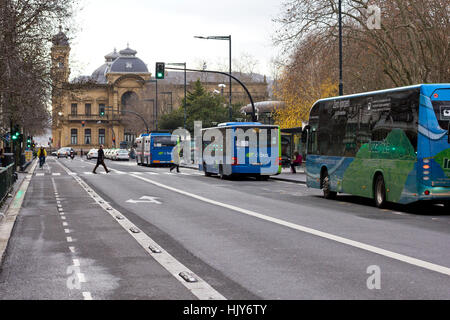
241 239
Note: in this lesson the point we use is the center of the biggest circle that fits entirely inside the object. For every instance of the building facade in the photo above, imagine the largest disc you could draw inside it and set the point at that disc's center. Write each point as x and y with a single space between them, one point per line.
89 110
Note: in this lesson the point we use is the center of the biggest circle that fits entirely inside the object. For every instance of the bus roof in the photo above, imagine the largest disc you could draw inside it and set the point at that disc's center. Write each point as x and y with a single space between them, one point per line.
229 124
428 88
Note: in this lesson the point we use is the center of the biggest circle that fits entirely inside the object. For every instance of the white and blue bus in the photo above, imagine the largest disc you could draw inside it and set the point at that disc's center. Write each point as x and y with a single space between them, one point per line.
156 148
242 148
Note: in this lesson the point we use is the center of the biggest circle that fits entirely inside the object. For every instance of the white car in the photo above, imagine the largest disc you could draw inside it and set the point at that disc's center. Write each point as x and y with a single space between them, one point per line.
92 154
121 154
63 152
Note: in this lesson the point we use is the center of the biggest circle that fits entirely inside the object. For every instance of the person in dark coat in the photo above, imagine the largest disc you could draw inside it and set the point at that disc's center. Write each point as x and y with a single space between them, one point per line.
100 160
297 161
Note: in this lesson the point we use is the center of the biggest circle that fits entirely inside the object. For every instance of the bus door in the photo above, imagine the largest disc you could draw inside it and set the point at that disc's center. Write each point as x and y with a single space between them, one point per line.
440 139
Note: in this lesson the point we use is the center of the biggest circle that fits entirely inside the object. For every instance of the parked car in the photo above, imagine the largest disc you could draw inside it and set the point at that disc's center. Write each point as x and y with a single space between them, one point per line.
121 154
63 152
92 154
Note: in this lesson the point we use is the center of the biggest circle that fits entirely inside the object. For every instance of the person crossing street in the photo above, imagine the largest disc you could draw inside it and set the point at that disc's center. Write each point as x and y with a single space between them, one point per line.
100 160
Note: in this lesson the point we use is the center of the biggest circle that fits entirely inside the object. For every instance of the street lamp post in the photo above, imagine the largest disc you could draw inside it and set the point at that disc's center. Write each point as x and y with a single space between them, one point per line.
229 41
156 103
184 104
153 102
341 82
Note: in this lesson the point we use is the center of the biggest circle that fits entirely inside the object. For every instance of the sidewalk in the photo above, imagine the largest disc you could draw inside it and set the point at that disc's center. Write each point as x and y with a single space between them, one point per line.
285 175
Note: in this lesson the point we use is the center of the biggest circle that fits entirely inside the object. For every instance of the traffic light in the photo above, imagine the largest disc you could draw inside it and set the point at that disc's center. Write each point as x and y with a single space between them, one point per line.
160 70
83 123
102 113
28 142
15 134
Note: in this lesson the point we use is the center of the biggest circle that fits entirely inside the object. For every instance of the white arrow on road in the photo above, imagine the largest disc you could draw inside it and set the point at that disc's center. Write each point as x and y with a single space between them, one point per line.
145 199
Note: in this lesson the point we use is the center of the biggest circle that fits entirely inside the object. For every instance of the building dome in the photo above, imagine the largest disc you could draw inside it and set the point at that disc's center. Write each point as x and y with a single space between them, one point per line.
99 75
127 62
110 57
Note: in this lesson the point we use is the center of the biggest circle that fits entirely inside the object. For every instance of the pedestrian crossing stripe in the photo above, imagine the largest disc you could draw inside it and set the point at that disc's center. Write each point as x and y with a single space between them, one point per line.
114 172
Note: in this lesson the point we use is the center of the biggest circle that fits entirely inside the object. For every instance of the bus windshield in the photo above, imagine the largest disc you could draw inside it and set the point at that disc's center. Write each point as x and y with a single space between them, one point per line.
166 141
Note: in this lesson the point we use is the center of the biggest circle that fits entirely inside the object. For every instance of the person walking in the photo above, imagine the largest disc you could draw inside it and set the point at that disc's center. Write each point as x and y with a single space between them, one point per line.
100 160
297 161
41 155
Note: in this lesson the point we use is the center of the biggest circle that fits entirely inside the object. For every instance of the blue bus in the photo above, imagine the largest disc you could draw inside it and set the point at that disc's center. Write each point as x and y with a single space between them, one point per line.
156 148
389 145
243 148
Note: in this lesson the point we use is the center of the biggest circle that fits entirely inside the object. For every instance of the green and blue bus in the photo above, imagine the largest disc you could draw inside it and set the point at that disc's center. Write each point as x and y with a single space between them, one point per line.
242 148
390 145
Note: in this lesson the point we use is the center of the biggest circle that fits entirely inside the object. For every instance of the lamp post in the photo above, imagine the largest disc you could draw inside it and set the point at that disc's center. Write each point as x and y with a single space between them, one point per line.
156 102
229 41
341 82
184 104
152 101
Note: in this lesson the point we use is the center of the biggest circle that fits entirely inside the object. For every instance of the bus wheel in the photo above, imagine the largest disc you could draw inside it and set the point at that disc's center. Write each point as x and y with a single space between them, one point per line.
262 177
447 205
380 192
207 174
327 193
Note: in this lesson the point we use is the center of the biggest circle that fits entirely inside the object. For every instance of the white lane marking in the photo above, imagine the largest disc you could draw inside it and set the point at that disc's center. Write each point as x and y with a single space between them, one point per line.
201 289
66 230
87 296
76 262
329 236
65 224
61 213
56 174
69 239
87 172
72 249
40 174
63 218
151 172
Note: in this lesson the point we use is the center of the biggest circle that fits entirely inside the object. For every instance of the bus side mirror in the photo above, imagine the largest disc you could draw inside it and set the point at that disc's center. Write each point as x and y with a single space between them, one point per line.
305 134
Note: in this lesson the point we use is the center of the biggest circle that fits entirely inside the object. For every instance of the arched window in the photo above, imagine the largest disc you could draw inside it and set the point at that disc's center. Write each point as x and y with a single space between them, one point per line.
129 99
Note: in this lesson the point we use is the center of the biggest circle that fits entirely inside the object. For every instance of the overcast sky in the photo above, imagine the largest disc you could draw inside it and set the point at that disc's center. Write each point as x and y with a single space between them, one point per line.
164 30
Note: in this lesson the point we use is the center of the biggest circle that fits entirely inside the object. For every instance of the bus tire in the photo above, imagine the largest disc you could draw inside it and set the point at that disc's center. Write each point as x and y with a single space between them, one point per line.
327 193
262 177
379 193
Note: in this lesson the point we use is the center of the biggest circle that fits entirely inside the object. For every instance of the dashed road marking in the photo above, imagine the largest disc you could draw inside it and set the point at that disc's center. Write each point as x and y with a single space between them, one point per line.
69 239
201 289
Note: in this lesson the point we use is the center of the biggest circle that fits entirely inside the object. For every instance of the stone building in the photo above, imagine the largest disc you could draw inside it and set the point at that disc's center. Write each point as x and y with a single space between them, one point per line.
87 111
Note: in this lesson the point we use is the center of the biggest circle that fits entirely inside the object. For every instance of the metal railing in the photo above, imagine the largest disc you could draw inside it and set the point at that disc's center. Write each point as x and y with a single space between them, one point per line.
7 180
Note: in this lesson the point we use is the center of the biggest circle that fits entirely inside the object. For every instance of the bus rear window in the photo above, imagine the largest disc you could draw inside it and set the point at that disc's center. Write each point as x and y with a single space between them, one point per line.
164 141
442 111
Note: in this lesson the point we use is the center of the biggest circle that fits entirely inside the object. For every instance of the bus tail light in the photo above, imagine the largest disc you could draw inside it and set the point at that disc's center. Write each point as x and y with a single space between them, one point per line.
426 166
427 192
234 161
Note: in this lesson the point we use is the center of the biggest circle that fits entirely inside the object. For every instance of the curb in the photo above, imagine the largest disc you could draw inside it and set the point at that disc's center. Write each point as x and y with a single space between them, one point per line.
11 213
288 180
